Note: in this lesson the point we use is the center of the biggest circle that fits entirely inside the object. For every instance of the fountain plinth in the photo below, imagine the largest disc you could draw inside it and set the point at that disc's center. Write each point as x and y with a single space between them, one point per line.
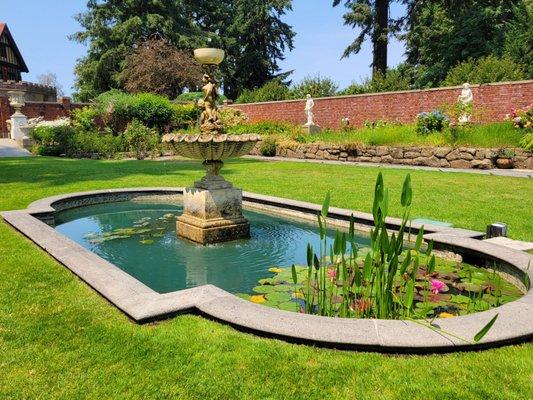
212 208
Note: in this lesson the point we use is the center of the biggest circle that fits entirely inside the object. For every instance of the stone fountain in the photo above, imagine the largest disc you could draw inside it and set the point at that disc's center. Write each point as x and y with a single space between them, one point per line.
212 208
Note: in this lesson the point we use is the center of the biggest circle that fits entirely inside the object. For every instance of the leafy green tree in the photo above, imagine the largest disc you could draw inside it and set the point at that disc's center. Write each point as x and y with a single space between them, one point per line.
316 86
251 31
260 40
112 29
440 34
372 18
485 70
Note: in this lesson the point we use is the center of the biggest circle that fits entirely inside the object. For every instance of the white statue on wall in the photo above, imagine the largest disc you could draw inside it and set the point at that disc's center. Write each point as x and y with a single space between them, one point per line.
309 104
465 100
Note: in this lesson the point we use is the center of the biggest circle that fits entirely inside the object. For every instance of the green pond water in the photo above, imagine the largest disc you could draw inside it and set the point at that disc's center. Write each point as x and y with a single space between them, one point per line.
141 239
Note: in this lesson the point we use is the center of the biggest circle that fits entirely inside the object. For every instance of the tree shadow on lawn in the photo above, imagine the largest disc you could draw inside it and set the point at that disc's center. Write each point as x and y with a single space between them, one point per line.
52 171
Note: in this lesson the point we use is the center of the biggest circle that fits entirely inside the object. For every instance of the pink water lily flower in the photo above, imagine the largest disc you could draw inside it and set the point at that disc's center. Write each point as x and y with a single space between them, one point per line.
437 286
332 273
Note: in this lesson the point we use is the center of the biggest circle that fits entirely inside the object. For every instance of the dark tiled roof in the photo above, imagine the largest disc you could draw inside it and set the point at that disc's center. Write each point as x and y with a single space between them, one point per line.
4 30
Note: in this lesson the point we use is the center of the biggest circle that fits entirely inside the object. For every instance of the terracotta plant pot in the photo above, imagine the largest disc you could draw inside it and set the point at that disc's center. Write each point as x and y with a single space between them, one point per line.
504 163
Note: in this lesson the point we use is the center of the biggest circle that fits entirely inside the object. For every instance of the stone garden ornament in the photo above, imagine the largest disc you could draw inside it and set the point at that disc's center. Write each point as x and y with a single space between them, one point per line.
310 126
465 101
212 208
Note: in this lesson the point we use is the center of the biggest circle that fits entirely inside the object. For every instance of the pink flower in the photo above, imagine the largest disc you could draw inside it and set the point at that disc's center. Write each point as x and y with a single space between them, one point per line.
437 286
332 273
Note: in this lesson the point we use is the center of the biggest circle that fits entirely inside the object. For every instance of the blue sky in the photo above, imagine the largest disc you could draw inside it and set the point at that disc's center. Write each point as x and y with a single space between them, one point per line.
41 29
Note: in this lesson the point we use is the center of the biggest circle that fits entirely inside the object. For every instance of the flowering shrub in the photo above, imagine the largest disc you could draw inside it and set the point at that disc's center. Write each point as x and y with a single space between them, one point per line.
435 121
522 119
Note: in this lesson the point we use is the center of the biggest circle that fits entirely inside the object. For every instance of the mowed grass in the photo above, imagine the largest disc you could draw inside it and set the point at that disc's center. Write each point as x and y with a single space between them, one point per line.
61 340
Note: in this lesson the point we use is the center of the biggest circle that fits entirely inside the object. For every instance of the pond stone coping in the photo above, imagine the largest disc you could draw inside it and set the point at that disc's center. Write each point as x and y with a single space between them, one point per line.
142 304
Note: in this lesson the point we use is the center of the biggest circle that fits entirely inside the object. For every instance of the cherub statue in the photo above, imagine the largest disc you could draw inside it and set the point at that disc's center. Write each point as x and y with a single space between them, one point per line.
209 118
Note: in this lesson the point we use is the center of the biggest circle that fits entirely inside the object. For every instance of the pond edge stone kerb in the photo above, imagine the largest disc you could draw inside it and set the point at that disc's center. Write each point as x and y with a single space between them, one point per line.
142 304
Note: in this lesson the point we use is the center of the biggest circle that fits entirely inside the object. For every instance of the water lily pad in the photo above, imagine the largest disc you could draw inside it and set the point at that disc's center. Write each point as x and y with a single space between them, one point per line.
284 288
278 297
146 241
264 289
275 270
243 296
460 299
289 306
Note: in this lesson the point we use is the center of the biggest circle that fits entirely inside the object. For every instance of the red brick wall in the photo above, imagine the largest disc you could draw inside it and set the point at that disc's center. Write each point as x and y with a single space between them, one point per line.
492 101
33 109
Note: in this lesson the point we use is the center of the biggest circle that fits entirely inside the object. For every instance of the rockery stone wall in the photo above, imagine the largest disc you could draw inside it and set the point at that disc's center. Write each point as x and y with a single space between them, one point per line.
443 157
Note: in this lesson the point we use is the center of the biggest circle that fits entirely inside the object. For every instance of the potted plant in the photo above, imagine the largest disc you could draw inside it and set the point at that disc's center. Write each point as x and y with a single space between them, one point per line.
504 158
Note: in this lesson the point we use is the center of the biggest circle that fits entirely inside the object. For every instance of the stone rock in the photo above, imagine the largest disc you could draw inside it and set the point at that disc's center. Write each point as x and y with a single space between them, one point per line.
453 155
460 164
376 159
444 163
481 154
411 154
468 150
382 151
364 159
344 154
396 152
528 164
466 156
481 164
387 159
426 152
320 154
442 152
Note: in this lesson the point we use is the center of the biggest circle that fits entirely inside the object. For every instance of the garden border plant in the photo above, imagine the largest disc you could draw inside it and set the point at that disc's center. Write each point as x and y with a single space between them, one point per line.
514 324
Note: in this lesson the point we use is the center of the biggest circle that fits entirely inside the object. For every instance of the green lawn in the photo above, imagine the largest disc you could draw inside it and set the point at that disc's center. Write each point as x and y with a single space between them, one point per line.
59 339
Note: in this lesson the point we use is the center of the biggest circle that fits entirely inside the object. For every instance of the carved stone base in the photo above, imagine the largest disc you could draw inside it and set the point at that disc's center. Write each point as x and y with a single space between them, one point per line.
311 129
212 215
212 231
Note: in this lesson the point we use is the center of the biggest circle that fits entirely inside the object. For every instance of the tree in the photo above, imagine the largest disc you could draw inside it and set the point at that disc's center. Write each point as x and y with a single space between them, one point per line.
156 66
251 31
260 38
111 28
440 34
372 17
50 79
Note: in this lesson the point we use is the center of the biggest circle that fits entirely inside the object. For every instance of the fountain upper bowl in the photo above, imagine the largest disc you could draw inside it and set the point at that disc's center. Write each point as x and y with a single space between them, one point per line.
212 147
209 56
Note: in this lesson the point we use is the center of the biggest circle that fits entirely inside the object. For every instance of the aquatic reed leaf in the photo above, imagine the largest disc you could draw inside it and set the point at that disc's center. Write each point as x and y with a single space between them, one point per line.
309 255
481 334
407 192
294 274
325 205
419 238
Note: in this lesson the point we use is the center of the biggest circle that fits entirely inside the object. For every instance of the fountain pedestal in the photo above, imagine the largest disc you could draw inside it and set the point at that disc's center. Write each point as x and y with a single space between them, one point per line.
212 210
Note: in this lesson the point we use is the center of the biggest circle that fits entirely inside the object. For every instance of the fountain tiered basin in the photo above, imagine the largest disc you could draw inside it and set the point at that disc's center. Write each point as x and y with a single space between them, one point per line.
212 211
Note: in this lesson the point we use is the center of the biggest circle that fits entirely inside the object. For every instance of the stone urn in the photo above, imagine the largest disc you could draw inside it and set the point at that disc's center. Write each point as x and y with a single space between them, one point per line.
505 163
212 208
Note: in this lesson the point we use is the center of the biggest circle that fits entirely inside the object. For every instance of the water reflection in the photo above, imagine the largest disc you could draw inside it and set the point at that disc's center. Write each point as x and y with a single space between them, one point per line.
167 263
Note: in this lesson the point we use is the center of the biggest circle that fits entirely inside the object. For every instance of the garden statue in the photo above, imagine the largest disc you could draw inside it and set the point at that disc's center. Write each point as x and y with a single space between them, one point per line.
465 103
309 104
210 118
310 126
212 208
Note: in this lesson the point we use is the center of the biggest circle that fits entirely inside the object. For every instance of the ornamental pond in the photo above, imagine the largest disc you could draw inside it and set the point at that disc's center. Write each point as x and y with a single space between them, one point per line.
140 238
